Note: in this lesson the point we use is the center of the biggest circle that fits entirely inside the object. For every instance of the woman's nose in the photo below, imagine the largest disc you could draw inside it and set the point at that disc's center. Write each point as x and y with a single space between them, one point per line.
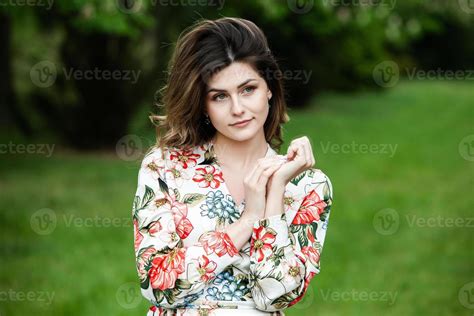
237 107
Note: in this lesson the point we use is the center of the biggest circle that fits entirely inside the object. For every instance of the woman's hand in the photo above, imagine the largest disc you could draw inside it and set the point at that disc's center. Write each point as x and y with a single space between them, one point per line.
299 158
255 186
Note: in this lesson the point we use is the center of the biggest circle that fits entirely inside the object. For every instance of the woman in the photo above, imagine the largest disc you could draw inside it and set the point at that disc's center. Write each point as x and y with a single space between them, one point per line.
223 224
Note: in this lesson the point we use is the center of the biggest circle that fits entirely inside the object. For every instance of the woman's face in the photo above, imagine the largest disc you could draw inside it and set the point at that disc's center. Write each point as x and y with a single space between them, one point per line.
234 94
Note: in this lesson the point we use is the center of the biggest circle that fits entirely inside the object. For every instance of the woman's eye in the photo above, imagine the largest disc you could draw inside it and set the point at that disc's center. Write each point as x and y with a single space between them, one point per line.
249 89
219 97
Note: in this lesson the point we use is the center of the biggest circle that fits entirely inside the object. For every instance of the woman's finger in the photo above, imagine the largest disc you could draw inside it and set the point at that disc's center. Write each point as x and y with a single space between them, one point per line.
261 166
267 173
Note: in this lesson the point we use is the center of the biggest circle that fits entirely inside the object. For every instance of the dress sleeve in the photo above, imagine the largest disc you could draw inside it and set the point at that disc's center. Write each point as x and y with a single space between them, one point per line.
171 274
285 249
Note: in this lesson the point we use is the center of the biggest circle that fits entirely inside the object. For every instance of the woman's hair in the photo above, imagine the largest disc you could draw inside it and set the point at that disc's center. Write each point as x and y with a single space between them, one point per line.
202 50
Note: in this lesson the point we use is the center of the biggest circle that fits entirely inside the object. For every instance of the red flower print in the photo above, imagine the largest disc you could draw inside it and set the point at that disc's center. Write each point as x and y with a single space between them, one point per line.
261 242
184 157
205 268
180 213
154 228
143 261
138 237
165 269
311 253
218 242
208 176
310 209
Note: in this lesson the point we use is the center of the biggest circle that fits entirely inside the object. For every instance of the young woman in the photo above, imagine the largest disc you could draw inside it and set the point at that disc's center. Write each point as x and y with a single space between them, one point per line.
224 224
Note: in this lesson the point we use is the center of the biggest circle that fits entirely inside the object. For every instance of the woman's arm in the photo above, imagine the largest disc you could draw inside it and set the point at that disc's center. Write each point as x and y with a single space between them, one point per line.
285 251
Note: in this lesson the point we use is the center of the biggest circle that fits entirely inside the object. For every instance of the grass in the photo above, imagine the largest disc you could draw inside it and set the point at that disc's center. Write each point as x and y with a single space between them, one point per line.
418 269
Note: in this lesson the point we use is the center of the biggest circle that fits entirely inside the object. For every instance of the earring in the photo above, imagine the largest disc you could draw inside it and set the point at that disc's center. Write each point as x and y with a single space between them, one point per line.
206 120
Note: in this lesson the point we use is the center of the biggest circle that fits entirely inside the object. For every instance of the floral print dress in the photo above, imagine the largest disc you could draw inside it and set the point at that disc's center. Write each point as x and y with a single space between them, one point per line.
188 265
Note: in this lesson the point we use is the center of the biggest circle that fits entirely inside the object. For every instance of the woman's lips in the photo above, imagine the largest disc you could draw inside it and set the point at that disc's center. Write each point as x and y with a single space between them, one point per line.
244 123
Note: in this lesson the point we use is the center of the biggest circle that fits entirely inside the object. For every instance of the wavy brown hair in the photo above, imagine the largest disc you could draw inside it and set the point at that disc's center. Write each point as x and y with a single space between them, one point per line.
202 50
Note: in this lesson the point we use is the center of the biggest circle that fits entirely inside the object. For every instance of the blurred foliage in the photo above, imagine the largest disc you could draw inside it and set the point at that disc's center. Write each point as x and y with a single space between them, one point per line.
332 46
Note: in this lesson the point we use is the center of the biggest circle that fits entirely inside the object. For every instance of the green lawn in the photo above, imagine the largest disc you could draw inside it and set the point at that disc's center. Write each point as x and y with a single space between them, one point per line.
412 165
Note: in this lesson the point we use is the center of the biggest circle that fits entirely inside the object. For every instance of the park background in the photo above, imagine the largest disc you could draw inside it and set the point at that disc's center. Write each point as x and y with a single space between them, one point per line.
383 88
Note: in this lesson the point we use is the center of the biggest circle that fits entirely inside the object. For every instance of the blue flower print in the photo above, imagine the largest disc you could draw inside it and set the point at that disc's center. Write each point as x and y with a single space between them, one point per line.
233 291
217 205
225 277
213 294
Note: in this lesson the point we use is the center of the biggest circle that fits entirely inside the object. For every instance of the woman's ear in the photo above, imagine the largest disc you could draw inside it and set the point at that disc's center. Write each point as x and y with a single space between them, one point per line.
269 94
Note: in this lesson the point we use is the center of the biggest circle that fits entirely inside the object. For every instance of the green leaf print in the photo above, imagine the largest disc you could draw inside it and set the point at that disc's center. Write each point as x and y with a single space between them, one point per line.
193 198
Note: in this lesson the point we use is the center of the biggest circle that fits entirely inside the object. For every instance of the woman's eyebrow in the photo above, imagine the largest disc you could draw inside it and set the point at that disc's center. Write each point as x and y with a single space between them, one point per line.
239 86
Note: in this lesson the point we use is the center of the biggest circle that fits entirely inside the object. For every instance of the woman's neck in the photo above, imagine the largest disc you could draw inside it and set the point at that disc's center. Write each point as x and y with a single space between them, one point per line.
239 155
